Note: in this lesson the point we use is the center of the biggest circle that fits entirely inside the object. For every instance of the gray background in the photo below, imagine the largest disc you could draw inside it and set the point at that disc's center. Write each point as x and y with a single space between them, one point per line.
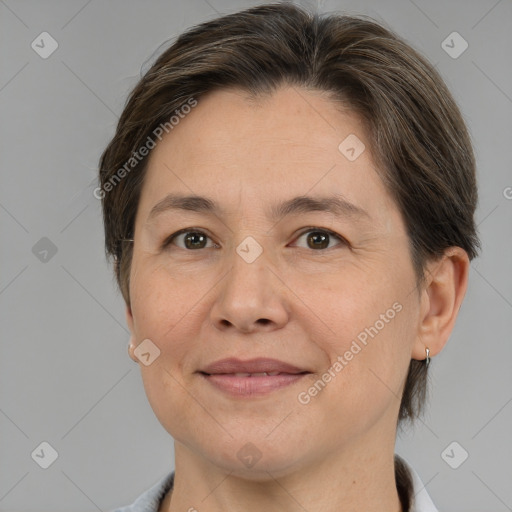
65 374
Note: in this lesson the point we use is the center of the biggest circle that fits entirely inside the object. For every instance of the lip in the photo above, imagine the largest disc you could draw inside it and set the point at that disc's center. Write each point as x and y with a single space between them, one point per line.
233 365
231 376
246 387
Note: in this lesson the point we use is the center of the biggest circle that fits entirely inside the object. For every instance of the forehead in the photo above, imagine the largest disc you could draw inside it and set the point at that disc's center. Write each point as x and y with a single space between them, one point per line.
292 142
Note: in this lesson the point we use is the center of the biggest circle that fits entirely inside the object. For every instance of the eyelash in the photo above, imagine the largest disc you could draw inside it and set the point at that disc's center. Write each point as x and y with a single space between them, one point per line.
309 229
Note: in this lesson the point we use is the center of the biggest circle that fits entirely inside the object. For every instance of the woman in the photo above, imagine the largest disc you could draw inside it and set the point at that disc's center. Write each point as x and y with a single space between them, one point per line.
289 203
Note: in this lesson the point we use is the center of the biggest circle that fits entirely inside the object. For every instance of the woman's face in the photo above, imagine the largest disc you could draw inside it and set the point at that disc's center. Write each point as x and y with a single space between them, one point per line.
257 282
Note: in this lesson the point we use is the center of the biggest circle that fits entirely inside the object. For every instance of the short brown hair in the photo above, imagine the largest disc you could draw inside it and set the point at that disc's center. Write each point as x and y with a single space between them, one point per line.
419 141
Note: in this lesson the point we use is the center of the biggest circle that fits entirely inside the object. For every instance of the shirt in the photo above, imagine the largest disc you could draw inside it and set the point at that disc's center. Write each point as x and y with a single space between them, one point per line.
150 500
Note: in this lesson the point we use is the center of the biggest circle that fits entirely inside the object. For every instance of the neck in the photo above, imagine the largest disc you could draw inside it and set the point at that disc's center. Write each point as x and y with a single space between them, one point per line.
350 483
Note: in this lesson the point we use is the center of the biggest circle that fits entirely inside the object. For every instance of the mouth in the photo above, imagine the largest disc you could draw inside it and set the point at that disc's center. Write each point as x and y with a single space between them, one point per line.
256 366
252 378
259 374
247 385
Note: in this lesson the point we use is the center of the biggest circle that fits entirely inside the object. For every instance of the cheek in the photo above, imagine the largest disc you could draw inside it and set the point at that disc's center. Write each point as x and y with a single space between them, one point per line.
161 300
370 334
163 311
345 304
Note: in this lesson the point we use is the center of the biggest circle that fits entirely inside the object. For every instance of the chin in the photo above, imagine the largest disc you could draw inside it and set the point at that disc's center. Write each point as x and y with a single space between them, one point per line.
255 460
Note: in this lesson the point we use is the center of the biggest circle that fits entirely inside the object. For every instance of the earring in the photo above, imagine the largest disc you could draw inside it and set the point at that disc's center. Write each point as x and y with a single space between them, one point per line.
427 359
129 354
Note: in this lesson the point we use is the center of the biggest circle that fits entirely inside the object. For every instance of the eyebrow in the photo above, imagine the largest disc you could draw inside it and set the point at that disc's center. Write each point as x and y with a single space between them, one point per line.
335 204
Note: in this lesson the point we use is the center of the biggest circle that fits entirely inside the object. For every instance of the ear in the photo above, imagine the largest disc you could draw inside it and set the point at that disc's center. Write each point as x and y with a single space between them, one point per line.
441 299
131 325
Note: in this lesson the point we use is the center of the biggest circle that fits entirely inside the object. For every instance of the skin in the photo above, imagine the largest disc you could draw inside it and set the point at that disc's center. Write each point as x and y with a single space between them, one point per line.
295 302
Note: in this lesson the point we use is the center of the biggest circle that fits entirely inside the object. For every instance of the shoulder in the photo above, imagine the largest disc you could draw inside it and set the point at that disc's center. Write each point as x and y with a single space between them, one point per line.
149 500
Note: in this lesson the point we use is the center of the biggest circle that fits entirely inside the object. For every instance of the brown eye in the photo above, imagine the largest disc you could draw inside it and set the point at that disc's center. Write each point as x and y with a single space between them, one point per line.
194 240
318 239
189 240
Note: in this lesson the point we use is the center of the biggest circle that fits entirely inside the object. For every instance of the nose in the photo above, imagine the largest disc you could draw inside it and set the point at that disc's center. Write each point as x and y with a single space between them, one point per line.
251 297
